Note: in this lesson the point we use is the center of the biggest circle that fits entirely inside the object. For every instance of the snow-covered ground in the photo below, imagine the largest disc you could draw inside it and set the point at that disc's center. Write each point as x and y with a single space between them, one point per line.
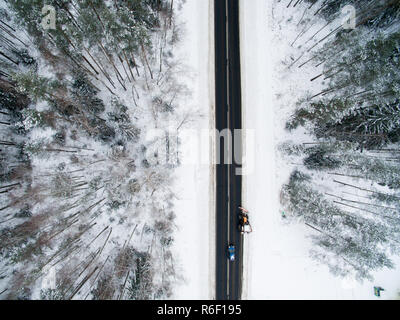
194 243
277 263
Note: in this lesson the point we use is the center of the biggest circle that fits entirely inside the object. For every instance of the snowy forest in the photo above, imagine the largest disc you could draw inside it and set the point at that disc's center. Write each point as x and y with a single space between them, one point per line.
345 182
86 208
92 100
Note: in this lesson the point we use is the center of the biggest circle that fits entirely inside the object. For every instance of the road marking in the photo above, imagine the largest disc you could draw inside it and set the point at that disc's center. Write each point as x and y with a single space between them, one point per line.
231 139
227 285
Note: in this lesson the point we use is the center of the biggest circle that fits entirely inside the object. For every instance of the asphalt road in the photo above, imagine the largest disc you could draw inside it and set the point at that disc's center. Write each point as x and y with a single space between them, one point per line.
228 116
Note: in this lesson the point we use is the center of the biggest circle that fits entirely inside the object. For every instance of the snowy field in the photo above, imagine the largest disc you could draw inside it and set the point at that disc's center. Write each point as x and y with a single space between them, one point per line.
277 263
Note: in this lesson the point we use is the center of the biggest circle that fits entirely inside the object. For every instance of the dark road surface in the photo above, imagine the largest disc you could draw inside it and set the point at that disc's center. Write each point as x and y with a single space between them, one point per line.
228 116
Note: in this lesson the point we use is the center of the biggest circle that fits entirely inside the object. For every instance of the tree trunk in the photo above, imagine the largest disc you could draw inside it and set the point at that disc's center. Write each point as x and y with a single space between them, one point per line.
145 59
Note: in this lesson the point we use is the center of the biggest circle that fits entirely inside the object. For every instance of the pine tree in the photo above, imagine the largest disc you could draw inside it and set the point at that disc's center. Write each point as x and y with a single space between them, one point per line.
37 87
350 237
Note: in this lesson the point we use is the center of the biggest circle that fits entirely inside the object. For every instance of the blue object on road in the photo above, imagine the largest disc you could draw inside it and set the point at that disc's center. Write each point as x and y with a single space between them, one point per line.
231 252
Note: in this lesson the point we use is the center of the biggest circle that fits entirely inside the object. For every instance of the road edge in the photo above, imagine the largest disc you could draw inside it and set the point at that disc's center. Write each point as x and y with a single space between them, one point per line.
212 154
245 248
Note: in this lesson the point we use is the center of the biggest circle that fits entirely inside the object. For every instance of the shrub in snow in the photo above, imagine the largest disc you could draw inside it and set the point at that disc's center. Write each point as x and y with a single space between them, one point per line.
319 159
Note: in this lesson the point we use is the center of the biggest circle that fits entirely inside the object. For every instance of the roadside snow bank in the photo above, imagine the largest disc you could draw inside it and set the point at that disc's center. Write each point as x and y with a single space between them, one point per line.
194 238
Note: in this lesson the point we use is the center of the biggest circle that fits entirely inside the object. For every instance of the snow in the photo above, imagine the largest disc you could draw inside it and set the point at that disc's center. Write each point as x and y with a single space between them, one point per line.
194 239
276 262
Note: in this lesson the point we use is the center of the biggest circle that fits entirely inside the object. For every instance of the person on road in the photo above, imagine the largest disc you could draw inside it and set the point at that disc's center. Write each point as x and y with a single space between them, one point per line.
243 216
244 226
